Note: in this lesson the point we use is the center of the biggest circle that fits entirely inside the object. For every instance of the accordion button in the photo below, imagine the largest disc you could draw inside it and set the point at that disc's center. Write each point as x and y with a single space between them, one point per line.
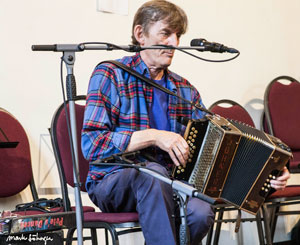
193 140
179 167
182 170
193 129
194 135
190 160
262 188
178 171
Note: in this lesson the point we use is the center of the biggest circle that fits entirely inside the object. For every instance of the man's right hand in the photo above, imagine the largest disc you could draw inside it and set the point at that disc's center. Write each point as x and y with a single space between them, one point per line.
170 142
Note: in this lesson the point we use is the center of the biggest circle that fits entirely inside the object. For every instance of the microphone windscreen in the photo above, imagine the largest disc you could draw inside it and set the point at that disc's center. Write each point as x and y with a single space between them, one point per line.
198 42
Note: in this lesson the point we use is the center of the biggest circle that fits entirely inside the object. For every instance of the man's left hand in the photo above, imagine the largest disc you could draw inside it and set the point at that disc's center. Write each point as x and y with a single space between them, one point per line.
280 182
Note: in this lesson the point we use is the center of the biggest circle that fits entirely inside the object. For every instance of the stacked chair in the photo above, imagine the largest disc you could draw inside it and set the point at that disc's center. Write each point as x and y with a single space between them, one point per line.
281 118
129 222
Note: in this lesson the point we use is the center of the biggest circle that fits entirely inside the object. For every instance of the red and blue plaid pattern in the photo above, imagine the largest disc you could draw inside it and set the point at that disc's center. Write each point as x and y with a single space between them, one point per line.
118 104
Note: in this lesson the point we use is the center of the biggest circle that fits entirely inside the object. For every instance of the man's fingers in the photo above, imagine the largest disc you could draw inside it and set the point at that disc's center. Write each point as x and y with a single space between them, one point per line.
174 158
179 156
278 185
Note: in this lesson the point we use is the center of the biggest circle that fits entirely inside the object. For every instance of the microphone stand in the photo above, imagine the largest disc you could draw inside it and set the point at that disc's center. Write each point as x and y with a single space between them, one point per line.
69 60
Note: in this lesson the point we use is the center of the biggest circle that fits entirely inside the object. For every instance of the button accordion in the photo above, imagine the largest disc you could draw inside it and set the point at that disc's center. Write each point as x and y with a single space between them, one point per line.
232 161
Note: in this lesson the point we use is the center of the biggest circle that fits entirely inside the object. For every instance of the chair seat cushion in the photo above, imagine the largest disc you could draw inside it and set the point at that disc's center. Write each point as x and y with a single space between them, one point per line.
110 217
85 209
29 212
289 191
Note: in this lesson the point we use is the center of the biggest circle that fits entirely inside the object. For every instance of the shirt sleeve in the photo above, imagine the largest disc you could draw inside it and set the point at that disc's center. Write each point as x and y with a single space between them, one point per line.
101 137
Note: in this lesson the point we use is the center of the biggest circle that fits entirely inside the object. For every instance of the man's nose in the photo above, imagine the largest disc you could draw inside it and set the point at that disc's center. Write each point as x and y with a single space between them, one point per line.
173 39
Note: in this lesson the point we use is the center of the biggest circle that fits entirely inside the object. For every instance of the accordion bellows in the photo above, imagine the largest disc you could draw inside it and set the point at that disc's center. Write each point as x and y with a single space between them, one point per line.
232 161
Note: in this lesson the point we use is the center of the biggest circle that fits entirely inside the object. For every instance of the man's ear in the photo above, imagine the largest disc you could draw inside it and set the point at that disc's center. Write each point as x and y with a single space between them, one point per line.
139 34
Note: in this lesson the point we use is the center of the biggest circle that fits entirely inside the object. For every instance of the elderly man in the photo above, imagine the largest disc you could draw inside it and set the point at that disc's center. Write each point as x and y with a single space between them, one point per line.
124 114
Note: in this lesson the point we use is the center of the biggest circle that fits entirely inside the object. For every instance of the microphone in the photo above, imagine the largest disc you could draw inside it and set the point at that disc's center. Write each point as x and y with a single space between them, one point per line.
212 47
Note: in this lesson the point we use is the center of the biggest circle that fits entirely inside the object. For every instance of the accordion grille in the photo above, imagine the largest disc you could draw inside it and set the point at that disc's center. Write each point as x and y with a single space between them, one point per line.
206 157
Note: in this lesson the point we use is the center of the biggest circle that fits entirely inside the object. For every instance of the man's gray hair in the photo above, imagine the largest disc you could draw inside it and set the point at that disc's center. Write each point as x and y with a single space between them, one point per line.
157 10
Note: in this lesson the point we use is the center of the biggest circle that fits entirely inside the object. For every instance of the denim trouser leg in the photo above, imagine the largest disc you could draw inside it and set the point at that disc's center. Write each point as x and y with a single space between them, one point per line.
130 190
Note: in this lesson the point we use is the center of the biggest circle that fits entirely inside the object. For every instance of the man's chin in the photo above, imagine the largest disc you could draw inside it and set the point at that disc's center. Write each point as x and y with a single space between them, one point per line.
165 65
167 61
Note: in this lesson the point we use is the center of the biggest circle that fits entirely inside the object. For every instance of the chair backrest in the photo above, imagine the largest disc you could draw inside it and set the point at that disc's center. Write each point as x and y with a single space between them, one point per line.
15 162
282 112
61 146
232 110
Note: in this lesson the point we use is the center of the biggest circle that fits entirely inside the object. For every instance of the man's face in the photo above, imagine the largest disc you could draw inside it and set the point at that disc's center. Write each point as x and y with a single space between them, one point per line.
159 33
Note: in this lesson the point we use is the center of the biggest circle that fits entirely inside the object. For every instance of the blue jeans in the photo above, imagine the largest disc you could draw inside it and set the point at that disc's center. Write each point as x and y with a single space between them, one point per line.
129 190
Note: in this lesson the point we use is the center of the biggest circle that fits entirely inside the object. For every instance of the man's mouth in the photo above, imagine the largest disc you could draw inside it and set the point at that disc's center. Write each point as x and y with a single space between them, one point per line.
168 53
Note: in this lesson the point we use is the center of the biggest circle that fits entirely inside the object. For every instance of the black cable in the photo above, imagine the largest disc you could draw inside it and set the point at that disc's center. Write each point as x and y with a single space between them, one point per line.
129 164
198 57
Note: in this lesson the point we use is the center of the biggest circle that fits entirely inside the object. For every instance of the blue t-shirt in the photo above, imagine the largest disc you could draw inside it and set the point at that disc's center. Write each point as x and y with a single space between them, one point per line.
158 114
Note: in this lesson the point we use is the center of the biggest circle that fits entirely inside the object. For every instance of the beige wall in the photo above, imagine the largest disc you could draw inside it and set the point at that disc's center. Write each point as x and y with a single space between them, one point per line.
266 33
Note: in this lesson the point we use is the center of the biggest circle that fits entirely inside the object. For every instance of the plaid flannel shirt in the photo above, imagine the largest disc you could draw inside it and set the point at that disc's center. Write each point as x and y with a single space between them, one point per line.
118 104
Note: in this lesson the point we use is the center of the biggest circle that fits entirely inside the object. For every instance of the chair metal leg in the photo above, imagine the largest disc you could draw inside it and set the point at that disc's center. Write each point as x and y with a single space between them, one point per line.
114 236
113 233
259 228
106 236
218 226
273 221
269 239
70 234
94 236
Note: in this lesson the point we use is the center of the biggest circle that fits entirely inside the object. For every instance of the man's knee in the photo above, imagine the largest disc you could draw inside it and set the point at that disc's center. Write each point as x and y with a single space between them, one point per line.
201 212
